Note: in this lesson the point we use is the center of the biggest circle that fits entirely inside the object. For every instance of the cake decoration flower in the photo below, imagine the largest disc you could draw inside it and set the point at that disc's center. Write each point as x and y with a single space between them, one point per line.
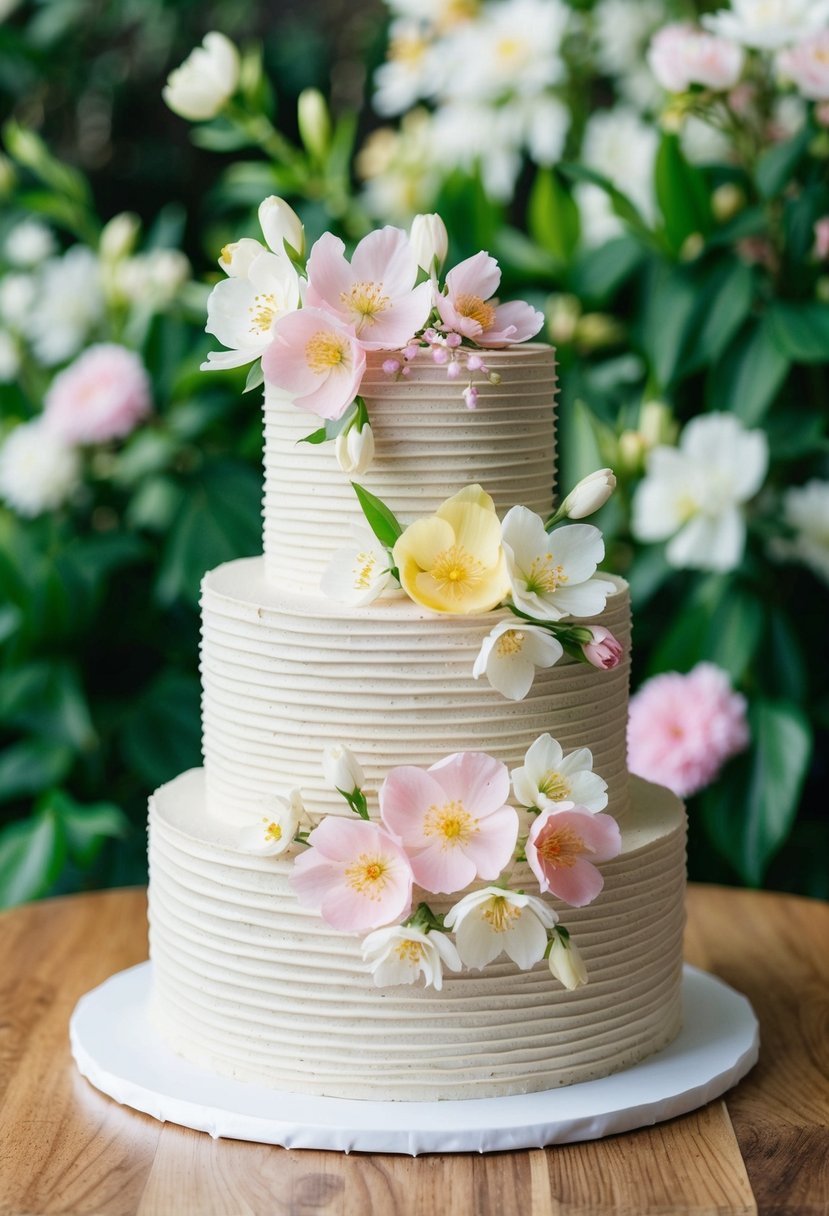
354 874
354 449
550 781
278 827
343 772
243 310
315 360
360 572
468 309
603 649
496 920
561 850
510 654
400 954
553 575
430 242
452 819
586 497
565 960
453 561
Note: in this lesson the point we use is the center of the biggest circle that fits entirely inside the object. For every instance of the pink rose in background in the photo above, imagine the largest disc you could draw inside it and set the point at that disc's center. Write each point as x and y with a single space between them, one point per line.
376 294
807 66
681 55
467 308
452 819
103 395
562 847
605 650
682 728
315 360
354 874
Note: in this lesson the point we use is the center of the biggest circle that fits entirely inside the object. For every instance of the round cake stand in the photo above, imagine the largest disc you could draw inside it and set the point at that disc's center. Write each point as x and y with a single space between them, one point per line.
116 1048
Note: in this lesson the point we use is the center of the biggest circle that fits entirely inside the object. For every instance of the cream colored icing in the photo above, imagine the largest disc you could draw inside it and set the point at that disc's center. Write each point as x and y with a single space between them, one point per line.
250 985
284 676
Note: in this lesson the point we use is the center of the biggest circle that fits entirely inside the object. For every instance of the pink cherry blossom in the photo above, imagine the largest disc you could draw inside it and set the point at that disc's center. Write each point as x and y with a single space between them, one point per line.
562 847
103 395
468 309
375 294
681 55
605 650
354 874
316 360
452 819
682 728
807 66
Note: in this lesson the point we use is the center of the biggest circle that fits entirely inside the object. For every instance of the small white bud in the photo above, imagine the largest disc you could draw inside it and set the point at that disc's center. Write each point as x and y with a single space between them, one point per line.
355 449
281 225
566 963
314 122
591 493
119 236
341 769
430 241
201 87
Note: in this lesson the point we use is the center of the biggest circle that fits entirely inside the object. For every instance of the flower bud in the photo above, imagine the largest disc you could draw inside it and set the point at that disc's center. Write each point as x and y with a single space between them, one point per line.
566 963
604 650
430 241
341 769
631 453
563 312
201 87
726 201
657 425
314 122
355 449
591 493
281 225
597 330
119 236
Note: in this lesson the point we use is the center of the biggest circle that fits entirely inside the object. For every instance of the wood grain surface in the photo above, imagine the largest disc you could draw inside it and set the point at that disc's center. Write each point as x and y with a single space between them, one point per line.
65 1148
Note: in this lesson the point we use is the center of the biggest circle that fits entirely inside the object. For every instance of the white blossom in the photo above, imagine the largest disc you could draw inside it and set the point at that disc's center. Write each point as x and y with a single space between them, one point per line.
242 310
510 654
68 306
38 471
566 963
358 573
17 297
622 147
400 954
29 243
494 920
806 512
768 24
412 71
205 81
119 236
622 29
553 575
512 47
551 781
278 826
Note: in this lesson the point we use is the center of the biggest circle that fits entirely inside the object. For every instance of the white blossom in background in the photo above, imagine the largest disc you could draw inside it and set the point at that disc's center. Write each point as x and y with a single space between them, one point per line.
705 144
768 24
206 80
693 495
514 46
494 920
412 71
17 297
510 654
38 470
400 954
69 305
9 358
622 147
622 30
551 781
806 511
29 243
399 172
119 236
789 113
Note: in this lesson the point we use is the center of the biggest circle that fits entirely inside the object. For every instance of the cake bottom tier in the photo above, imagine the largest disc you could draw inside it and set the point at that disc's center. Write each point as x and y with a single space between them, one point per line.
252 986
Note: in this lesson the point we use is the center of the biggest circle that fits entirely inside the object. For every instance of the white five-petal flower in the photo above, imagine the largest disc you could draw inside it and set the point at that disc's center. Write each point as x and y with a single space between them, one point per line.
243 309
360 572
278 826
510 654
495 920
553 575
551 781
400 954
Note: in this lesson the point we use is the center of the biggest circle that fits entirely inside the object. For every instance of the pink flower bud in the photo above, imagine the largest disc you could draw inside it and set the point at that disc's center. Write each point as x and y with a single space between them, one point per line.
470 396
453 340
410 352
440 354
605 650
475 363
391 367
453 370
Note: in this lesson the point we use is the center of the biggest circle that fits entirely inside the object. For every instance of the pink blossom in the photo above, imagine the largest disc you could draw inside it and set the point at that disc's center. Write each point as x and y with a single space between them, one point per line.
605 650
354 874
681 55
821 247
682 728
376 294
316 360
558 848
807 66
468 309
452 819
103 395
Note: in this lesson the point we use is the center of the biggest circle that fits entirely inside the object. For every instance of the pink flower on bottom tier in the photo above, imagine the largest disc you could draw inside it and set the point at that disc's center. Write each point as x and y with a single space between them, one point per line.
562 847
682 728
355 875
103 395
452 819
316 361
467 308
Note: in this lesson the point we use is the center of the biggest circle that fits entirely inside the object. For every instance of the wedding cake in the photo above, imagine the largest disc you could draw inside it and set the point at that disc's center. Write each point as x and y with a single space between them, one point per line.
414 865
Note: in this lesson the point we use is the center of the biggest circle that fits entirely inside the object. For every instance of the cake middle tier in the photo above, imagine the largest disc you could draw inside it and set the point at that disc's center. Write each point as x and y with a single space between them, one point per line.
428 446
285 675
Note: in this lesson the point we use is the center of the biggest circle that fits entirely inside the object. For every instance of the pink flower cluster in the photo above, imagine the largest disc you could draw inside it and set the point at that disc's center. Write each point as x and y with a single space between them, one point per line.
682 728
807 66
373 303
681 55
103 395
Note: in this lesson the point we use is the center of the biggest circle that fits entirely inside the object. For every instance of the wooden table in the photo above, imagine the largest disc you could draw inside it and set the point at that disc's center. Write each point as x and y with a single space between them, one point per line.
65 1148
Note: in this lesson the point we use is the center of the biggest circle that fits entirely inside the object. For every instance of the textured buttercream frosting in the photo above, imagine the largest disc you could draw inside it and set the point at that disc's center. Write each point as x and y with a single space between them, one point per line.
253 986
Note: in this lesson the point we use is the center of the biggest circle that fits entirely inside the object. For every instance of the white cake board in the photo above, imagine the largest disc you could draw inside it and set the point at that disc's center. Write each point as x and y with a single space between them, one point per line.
116 1048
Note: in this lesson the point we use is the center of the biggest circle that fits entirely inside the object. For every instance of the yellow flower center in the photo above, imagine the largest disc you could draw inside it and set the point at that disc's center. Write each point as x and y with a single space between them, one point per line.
556 787
367 301
456 571
510 49
273 831
326 351
408 50
543 576
409 951
561 847
476 309
500 914
364 571
510 642
452 822
369 875
686 508
263 311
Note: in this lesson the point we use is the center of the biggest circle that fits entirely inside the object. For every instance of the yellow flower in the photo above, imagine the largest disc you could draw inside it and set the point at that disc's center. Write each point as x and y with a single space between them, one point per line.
453 561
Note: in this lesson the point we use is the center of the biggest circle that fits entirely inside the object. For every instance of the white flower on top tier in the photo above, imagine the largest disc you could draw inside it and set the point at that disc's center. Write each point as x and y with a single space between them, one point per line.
358 573
553 575
768 24
494 921
510 654
551 781
695 493
400 954
278 827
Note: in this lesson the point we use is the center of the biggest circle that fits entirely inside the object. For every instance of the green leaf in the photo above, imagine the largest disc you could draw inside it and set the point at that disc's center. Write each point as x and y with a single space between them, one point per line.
162 735
32 854
255 377
777 165
800 331
380 519
46 698
32 765
670 307
649 572
553 216
620 203
749 375
318 436
720 621
86 828
682 193
597 274
725 311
